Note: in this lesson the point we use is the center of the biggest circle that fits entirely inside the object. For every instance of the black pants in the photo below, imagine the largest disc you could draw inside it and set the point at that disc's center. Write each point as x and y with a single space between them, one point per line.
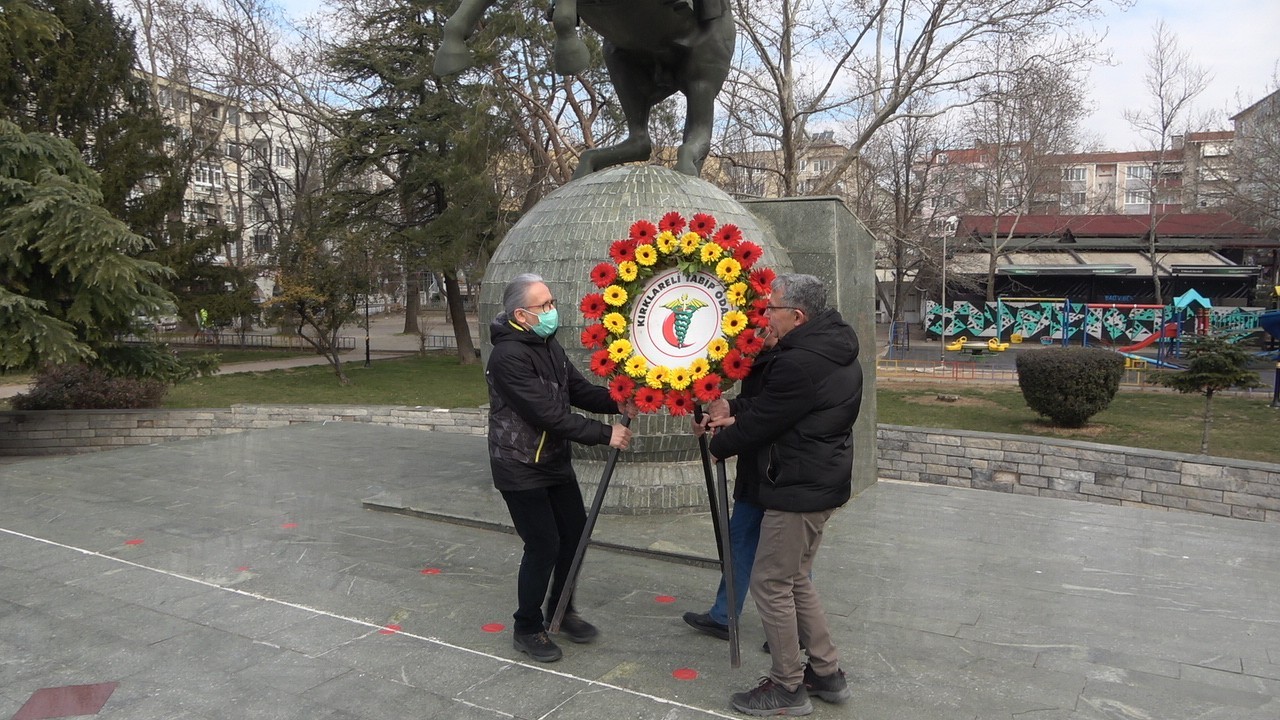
550 522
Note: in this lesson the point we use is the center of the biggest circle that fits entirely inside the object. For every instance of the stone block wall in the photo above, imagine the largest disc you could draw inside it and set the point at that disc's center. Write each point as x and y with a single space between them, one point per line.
1081 471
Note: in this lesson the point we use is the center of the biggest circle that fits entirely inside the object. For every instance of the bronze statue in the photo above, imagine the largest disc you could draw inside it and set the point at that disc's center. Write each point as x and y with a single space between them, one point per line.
652 49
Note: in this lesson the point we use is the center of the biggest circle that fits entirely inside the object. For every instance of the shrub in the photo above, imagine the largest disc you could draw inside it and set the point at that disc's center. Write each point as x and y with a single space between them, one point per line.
1069 385
79 387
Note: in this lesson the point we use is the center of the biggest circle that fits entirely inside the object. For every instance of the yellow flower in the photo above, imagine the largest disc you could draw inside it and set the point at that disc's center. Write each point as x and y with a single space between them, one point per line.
718 348
615 295
637 366
728 269
619 349
690 242
646 255
711 252
666 242
680 378
656 377
734 322
737 294
627 270
699 367
615 323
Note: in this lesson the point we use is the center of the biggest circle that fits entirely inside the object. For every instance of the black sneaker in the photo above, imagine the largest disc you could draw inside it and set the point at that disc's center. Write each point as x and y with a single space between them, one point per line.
537 646
704 623
576 629
770 698
831 688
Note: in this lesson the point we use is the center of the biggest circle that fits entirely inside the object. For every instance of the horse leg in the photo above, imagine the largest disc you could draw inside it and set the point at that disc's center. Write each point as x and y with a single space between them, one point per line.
636 96
571 56
700 98
453 56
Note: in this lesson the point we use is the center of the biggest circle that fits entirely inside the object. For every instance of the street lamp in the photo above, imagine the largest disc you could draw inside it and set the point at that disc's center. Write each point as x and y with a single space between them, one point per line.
952 223
367 287
1275 388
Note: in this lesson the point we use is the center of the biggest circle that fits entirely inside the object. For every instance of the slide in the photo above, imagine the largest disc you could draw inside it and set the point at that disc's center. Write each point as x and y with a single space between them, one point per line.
1170 330
1270 321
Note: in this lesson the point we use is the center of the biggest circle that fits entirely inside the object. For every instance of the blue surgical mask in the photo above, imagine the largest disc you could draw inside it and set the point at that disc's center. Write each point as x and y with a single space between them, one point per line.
548 322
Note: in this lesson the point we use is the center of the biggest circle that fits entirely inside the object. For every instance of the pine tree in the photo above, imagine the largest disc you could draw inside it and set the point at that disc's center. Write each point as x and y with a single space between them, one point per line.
70 281
1213 364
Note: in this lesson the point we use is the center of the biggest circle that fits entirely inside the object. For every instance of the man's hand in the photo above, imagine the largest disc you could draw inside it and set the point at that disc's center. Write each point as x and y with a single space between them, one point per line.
700 428
629 409
621 436
714 424
718 408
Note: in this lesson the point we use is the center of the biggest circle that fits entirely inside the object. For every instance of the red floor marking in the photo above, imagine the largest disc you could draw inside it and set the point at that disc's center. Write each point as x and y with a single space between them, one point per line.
289 526
243 568
135 541
389 630
664 599
685 674
66 701
493 627
430 571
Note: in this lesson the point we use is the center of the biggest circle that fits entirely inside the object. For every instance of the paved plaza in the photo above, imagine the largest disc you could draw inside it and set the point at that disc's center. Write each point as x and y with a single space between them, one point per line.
254 576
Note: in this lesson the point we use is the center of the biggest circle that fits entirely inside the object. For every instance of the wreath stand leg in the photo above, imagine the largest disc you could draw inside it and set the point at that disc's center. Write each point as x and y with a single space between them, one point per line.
571 582
726 562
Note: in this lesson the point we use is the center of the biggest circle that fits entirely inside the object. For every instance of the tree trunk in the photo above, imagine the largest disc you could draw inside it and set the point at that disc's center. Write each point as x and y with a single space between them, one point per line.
412 301
458 317
1208 422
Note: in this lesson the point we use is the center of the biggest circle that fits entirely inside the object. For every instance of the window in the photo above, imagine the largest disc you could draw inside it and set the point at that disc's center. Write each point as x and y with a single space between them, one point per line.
1073 174
1073 199
256 214
262 244
804 165
284 158
1135 197
1009 201
255 183
824 166
206 173
1138 172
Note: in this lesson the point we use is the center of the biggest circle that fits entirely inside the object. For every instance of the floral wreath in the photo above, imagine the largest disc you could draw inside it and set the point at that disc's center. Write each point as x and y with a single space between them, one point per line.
694 248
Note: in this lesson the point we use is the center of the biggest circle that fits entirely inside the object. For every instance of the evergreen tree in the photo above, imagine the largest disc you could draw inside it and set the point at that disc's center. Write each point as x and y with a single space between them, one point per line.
1213 364
417 151
69 278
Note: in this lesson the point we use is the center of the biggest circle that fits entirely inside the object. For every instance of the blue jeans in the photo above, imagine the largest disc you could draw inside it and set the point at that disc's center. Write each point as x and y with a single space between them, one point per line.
744 536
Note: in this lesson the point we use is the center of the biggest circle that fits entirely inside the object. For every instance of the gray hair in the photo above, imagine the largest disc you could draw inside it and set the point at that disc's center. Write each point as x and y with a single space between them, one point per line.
803 291
516 293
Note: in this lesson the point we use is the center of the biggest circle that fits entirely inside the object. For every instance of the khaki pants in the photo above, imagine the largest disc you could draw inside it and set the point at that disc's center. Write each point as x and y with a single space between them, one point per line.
787 599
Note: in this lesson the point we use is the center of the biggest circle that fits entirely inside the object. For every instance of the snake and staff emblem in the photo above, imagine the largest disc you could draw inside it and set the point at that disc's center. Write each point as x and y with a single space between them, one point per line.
676 325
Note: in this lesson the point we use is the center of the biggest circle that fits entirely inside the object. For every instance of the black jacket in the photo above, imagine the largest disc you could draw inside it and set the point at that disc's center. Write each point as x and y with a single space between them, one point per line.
751 464
803 419
532 385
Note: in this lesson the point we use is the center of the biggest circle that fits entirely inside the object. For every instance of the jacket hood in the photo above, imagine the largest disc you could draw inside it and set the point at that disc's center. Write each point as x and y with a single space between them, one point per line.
827 335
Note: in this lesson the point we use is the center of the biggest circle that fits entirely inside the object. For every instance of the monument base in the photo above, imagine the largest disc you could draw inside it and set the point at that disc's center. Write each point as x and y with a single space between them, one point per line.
646 488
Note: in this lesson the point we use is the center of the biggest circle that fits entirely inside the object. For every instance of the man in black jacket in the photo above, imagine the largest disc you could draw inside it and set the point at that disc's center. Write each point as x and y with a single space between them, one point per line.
532 386
803 420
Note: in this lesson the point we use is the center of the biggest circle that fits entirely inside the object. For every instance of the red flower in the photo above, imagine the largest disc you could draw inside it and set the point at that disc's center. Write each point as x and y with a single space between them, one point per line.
736 365
621 388
703 224
594 336
643 231
762 280
601 364
592 306
756 315
649 399
728 236
679 402
672 221
747 253
623 250
707 387
749 342
604 274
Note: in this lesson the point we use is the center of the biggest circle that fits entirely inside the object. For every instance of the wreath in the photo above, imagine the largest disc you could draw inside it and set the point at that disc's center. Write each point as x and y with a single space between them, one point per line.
647 327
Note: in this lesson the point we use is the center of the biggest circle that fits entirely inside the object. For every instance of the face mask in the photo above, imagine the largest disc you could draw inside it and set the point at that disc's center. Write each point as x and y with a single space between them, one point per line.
547 323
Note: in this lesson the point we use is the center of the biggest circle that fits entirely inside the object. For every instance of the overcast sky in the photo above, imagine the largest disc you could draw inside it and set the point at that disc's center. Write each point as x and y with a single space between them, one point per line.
1235 40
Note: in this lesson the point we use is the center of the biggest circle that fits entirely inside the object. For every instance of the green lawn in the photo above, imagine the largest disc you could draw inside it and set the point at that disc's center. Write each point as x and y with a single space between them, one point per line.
436 380
239 355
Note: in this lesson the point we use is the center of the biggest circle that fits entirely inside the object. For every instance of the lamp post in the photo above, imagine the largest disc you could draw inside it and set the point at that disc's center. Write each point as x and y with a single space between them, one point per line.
1275 388
942 348
367 287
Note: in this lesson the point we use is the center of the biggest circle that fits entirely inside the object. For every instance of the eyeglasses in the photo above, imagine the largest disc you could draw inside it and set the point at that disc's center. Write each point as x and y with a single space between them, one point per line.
541 308
768 308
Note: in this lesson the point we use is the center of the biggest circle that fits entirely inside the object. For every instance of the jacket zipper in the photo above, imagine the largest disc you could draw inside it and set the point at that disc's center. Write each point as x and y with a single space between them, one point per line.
537 456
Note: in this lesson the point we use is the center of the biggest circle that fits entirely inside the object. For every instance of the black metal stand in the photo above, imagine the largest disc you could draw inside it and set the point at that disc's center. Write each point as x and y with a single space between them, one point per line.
711 487
571 581
721 503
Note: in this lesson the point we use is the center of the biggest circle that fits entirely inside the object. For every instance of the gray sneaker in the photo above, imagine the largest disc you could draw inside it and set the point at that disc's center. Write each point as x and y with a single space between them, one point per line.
538 646
770 698
831 688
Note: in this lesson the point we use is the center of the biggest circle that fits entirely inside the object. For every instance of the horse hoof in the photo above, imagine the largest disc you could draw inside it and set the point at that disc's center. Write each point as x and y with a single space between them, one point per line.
572 56
451 60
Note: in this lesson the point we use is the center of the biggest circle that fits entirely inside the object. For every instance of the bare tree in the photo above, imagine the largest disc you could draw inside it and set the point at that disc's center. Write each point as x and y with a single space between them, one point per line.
1254 196
1172 83
856 63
